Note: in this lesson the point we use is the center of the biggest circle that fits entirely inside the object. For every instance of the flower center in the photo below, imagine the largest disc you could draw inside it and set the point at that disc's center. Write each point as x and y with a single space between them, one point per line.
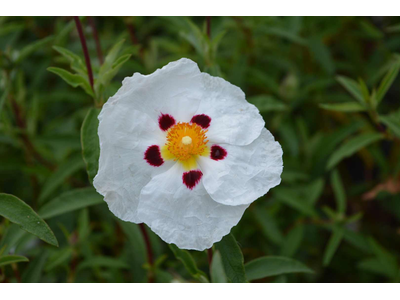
185 140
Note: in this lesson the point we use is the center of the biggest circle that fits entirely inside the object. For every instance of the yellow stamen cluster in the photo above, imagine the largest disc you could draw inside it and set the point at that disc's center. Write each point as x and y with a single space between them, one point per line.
185 140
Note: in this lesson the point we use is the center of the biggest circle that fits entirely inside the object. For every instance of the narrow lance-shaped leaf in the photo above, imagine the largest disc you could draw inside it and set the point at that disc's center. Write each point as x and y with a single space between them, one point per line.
70 201
332 245
18 212
352 87
11 259
339 192
392 121
217 269
31 48
293 241
76 62
232 259
343 107
274 265
74 80
58 177
352 146
189 263
90 142
387 82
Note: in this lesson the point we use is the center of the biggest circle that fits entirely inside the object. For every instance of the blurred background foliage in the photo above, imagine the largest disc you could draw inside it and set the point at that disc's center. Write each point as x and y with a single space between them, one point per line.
327 88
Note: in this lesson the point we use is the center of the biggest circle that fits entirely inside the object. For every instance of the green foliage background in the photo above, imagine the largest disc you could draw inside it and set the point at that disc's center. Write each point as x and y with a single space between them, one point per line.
327 88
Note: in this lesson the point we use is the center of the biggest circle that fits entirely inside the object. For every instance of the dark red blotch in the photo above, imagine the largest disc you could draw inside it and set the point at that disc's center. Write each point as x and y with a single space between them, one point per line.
153 156
165 121
192 178
218 153
201 120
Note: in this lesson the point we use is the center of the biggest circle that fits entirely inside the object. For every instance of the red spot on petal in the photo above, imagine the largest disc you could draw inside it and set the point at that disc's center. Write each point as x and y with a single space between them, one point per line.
165 121
153 156
218 153
201 120
192 178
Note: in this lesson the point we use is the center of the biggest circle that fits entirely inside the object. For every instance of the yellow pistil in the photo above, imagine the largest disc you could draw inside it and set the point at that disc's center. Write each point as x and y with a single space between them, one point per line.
185 142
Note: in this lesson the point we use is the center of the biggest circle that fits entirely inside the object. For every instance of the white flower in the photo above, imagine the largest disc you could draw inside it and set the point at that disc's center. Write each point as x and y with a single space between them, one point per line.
185 153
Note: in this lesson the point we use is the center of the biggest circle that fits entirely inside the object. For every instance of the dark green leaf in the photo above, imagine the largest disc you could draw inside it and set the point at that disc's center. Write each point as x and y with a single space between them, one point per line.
292 241
343 107
269 226
58 258
76 62
35 268
267 103
60 175
217 269
274 265
31 48
339 192
232 259
18 212
387 82
70 201
352 146
11 259
392 121
189 263
90 142
352 87
332 246
103 262
74 80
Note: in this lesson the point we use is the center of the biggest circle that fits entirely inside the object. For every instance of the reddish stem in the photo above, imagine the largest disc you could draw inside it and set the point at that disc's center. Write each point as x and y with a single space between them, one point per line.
209 256
208 20
85 50
96 40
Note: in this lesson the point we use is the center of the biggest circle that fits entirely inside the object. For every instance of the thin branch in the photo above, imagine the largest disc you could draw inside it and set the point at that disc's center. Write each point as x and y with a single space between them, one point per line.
148 247
209 256
96 39
85 50
208 19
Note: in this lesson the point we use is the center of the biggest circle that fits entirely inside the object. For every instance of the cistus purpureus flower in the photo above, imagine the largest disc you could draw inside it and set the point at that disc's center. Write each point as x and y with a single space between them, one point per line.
185 153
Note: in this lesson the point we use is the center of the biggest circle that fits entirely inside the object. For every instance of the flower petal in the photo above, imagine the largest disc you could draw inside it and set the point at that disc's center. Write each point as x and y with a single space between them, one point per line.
233 120
246 173
173 90
188 218
125 135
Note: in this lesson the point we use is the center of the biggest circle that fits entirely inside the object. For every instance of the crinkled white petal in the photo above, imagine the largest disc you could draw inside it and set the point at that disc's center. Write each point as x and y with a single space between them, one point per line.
188 218
175 89
233 120
125 135
246 173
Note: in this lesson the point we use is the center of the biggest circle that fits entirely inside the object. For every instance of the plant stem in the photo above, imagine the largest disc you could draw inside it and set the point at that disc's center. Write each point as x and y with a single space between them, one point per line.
85 50
209 256
208 20
148 248
96 39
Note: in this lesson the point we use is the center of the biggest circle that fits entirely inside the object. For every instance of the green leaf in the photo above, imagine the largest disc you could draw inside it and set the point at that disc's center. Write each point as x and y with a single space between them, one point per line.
189 263
292 199
392 121
90 142
35 268
274 265
269 226
18 212
74 80
338 190
343 107
322 54
58 258
232 259
352 146
3 99
11 259
76 62
373 265
267 103
31 48
217 269
292 241
332 245
102 261
384 257
63 172
387 82
110 58
70 201
352 87
11 237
